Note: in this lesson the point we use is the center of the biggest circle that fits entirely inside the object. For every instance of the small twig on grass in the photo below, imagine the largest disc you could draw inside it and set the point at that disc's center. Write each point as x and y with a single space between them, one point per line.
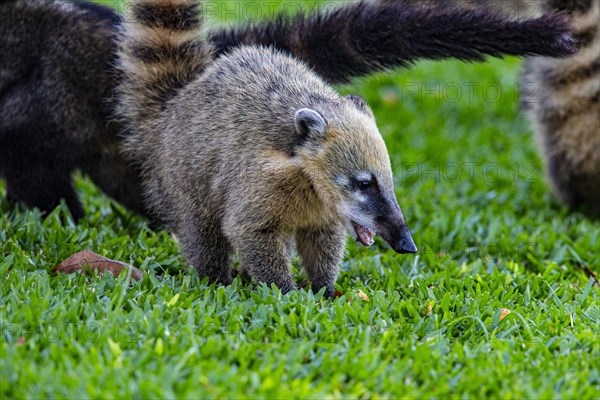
590 274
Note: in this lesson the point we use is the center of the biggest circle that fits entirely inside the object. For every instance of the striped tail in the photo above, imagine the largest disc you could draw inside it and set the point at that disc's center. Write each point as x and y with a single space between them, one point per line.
367 36
162 51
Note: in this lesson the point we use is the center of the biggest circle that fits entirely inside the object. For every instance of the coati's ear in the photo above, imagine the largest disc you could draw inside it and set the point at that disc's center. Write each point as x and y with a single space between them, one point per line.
309 123
360 104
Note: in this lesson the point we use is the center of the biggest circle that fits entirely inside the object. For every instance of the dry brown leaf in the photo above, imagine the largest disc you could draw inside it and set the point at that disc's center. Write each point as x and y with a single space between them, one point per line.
362 295
86 259
590 274
337 294
429 308
504 313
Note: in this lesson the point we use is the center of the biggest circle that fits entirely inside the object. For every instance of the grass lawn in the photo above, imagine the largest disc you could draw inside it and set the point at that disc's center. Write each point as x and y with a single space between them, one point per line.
490 236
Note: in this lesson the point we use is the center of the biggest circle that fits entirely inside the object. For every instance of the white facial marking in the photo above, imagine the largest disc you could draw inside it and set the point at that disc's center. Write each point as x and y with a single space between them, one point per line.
344 210
342 180
361 198
363 176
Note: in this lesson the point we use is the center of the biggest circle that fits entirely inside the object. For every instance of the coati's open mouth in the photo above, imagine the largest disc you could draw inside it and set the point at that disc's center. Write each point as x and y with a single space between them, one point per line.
364 235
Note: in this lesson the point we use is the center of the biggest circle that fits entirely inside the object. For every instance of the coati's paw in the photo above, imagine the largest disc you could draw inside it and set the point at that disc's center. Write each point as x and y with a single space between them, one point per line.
286 287
329 290
243 275
330 293
224 278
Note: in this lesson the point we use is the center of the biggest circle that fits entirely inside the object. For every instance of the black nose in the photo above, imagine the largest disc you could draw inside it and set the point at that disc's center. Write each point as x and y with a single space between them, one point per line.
407 246
403 242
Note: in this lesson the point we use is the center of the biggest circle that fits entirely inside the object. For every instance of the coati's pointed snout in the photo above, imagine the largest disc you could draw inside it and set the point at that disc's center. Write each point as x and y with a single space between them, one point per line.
395 232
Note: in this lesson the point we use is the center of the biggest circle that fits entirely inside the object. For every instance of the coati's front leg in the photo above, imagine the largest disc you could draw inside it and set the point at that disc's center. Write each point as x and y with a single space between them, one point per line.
266 257
207 249
321 251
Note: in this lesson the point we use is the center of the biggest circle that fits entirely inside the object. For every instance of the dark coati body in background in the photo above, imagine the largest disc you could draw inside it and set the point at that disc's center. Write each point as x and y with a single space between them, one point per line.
57 81
563 104
56 85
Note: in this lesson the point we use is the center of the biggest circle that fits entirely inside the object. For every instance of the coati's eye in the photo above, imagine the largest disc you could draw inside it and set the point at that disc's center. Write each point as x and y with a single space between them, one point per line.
363 182
364 185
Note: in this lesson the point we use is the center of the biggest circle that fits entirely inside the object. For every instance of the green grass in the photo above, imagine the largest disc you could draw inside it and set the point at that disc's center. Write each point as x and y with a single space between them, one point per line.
490 235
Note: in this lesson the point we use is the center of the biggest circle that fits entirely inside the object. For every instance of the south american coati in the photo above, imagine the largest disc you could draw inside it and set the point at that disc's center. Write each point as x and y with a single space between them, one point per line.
251 151
57 80
561 97
563 103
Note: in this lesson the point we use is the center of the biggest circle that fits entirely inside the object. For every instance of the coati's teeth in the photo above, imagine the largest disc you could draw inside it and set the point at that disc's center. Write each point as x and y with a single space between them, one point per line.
365 235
